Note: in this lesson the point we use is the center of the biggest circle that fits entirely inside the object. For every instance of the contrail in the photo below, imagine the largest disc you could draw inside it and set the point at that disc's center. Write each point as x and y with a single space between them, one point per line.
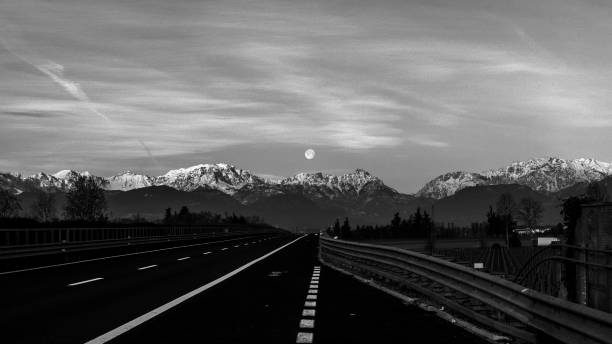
149 153
55 71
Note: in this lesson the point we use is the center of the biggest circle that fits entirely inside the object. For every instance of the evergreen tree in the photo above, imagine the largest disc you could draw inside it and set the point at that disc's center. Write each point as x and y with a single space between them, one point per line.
337 228
345 231
168 216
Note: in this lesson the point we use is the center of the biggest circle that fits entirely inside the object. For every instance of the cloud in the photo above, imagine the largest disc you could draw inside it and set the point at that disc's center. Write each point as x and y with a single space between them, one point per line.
422 140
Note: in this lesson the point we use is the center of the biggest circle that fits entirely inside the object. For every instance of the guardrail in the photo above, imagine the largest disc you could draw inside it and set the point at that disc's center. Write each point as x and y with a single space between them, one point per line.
31 237
448 282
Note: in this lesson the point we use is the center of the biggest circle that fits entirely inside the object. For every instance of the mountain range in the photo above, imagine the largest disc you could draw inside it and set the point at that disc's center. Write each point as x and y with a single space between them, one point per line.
316 199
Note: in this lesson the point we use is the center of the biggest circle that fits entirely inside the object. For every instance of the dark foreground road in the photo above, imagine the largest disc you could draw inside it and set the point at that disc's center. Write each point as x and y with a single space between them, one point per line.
267 302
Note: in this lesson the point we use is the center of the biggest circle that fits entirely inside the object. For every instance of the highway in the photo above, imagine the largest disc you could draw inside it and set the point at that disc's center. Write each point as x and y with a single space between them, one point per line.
268 289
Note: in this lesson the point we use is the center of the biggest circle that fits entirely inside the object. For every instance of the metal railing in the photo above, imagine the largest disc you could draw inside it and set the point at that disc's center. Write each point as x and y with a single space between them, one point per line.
563 320
30 242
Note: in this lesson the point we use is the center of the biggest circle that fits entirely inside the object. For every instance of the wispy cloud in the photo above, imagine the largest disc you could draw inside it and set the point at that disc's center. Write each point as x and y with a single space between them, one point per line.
358 79
56 72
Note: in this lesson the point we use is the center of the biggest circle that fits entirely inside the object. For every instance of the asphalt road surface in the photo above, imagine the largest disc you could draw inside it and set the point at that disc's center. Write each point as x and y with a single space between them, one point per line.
250 290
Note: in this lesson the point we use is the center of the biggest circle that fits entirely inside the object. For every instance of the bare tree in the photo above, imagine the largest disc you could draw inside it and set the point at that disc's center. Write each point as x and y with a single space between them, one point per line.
86 201
506 206
530 211
44 206
9 204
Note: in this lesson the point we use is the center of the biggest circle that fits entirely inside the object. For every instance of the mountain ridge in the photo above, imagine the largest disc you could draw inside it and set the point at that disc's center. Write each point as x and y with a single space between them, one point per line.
541 174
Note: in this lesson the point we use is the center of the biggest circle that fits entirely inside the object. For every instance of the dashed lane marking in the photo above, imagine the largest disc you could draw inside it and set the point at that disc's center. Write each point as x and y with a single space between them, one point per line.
223 249
147 267
308 313
184 258
310 304
307 323
304 337
207 252
311 297
117 256
163 308
86 281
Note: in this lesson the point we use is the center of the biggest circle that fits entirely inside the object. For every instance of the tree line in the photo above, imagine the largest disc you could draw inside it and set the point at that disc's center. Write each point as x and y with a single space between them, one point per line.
417 225
86 204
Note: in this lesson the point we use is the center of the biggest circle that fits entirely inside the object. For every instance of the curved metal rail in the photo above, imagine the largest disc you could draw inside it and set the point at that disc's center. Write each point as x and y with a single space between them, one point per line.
563 320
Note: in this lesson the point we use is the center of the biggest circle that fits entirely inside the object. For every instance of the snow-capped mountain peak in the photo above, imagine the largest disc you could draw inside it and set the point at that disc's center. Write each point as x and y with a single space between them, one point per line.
540 174
354 181
128 180
221 176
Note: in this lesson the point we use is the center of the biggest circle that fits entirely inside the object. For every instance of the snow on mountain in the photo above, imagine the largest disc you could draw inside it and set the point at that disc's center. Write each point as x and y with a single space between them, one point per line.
541 174
220 176
128 180
449 183
350 182
62 180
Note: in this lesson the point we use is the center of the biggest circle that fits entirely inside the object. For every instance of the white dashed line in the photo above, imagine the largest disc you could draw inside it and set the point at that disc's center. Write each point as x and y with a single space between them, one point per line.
147 267
207 252
309 310
236 245
163 308
308 313
304 337
184 258
116 256
86 281
223 249
307 323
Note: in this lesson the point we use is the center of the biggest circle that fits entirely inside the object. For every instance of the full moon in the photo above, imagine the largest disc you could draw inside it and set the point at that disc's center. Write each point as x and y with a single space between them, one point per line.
309 154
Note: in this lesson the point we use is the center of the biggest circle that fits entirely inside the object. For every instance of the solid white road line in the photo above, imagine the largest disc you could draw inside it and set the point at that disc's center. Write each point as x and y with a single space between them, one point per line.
183 258
147 267
208 252
86 281
304 337
116 256
161 309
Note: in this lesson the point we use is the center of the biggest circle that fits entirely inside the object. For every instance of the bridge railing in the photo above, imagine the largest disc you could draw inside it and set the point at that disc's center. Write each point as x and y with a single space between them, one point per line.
567 322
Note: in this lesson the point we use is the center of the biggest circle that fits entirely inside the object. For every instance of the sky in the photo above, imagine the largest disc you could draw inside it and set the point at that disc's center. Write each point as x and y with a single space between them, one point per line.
405 89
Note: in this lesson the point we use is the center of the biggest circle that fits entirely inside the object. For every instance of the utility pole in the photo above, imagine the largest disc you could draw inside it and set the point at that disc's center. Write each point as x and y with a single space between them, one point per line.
432 230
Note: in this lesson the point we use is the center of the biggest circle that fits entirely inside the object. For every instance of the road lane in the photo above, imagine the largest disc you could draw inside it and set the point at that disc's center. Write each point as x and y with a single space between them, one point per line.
38 306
